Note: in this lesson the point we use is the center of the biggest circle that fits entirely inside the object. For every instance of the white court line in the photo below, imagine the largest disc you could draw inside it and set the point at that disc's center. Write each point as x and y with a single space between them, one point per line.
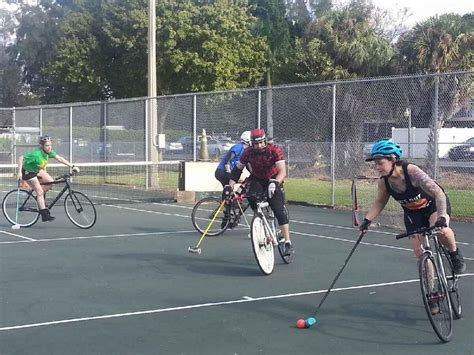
193 231
365 243
96 236
202 305
18 236
292 220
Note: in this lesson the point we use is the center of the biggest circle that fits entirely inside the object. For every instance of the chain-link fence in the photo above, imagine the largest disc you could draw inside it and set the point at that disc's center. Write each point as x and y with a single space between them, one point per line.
325 130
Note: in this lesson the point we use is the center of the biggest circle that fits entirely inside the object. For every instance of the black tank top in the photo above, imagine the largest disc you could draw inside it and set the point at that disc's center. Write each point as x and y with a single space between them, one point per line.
413 198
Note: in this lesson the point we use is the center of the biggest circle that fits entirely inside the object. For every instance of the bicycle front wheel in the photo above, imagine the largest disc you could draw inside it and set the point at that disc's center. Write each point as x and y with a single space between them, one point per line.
80 209
436 298
452 280
281 241
262 245
204 212
25 203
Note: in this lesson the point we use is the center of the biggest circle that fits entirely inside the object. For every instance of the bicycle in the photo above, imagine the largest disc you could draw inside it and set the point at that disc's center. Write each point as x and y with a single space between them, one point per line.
265 235
229 216
438 283
20 206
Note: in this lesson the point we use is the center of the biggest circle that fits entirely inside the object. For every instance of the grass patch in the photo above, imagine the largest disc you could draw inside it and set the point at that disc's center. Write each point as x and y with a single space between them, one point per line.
319 192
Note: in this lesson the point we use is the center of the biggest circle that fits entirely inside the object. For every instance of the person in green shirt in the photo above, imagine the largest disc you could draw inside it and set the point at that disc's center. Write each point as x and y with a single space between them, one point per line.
31 169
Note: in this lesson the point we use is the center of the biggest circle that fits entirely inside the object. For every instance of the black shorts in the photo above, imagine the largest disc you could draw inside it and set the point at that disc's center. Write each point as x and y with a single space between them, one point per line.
277 202
416 219
27 175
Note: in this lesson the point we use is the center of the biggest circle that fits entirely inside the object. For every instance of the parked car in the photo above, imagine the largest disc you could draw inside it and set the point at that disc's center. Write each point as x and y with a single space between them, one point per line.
463 151
215 147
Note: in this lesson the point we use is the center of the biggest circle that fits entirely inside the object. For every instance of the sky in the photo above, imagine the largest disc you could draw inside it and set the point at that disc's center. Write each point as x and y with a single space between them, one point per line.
422 9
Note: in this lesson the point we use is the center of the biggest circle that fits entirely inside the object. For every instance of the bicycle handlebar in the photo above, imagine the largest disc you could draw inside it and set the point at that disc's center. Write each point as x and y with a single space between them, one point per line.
418 231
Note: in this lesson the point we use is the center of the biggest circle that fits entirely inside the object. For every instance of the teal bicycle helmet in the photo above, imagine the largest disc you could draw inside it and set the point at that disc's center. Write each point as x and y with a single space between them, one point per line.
385 148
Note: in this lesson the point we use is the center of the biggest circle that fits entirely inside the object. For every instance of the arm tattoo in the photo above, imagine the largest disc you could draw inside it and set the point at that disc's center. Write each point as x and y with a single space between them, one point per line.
420 179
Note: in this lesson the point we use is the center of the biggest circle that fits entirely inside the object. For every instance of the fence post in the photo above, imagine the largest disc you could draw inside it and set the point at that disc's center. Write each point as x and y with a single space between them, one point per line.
70 134
194 128
41 121
14 135
436 127
333 146
259 109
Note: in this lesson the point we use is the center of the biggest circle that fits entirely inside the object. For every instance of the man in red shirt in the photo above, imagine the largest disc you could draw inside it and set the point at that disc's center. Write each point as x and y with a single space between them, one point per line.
267 170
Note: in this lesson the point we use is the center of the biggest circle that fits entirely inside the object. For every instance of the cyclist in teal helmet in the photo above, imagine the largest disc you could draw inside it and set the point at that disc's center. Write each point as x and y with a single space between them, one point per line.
424 202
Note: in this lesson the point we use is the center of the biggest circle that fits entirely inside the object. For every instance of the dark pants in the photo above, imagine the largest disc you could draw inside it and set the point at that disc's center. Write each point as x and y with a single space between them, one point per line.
223 177
277 202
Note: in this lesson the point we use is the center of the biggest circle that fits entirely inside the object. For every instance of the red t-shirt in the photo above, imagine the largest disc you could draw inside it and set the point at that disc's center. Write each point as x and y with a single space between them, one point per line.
261 165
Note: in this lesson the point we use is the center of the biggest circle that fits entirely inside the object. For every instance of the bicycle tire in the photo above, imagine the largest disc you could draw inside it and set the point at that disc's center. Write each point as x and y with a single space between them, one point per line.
80 209
28 211
442 322
262 246
203 213
287 259
452 280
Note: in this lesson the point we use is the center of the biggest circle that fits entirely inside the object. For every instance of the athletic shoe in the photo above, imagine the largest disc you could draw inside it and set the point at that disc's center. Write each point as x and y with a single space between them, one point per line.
289 249
434 308
458 261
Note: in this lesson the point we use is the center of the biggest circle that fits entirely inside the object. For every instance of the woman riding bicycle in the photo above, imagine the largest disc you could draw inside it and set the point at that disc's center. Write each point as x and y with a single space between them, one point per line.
31 169
423 201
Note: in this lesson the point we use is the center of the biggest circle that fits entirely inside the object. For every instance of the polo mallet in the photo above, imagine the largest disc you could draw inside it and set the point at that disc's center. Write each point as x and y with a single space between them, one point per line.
196 249
16 225
312 320
355 204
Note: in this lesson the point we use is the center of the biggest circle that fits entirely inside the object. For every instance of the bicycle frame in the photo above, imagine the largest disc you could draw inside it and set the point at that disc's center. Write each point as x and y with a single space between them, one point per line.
67 187
436 256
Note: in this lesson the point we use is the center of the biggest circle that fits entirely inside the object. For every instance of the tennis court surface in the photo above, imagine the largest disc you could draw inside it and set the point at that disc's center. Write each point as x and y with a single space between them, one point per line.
129 286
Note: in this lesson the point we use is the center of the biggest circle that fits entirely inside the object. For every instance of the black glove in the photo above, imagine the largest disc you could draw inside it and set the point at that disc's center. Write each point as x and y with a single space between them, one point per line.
365 225
441 222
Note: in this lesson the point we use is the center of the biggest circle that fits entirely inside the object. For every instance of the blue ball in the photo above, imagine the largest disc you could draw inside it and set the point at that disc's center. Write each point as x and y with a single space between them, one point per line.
310 322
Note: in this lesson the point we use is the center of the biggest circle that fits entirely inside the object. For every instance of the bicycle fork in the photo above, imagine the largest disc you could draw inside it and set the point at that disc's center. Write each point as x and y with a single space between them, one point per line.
269 232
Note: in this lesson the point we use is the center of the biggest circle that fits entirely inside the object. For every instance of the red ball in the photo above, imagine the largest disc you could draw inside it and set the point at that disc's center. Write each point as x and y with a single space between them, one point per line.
300 324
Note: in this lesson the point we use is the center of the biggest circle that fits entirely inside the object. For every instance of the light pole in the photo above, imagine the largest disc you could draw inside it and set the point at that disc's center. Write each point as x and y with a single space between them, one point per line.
407 115
152 107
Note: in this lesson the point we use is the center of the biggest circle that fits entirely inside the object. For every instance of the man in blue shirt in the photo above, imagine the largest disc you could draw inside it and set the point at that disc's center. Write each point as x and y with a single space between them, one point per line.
230 159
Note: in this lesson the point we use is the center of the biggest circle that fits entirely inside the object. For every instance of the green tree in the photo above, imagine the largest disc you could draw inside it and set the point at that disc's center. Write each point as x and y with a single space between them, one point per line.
205 47
12 90
440 44
343 44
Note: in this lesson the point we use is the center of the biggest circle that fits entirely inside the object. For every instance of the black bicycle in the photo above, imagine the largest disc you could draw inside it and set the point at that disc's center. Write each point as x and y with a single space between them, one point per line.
20 206
228 217
439 283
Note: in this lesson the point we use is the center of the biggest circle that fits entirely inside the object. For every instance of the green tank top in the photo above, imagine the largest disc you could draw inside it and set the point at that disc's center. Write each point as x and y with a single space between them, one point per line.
37 159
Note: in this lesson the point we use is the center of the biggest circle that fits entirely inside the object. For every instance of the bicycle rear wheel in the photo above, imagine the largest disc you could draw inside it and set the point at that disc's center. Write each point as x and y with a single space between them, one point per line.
262 245
434 291
80 209
452 280
203 213
28 210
